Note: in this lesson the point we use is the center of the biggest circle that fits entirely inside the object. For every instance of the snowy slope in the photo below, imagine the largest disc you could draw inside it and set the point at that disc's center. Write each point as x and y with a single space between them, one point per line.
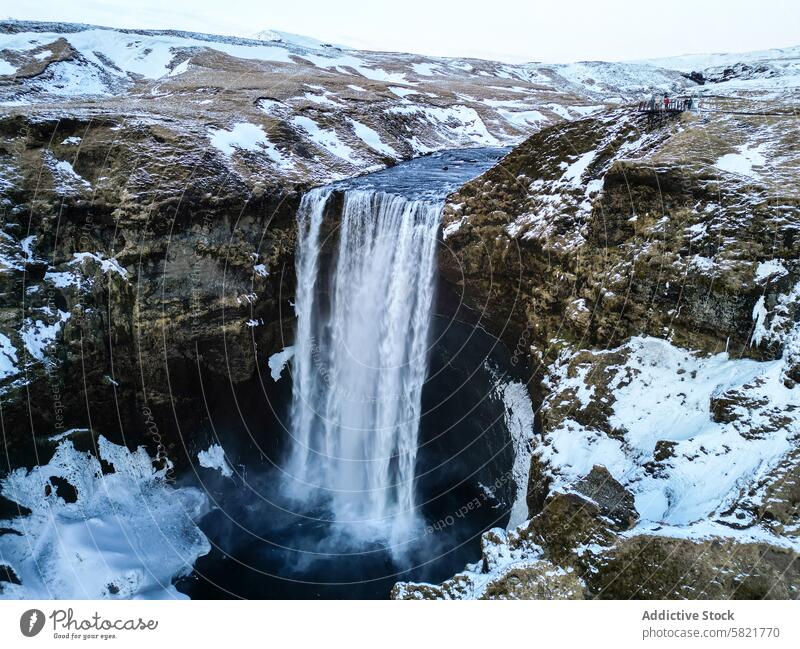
306 108
769 74
698 62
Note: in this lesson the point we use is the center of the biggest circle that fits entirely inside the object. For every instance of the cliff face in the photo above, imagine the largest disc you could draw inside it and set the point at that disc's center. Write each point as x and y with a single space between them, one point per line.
600 229
135 261
648 277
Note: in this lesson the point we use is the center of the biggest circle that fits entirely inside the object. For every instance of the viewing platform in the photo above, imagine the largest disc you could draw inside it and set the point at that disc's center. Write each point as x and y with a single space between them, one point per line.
660 109
667 106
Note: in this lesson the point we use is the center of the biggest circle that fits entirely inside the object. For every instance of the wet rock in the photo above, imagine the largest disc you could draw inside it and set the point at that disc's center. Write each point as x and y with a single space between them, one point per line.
665 449
567 522
614 501
729 405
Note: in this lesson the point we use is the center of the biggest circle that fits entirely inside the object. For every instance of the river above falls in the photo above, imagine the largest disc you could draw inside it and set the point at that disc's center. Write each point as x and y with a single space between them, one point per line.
431 177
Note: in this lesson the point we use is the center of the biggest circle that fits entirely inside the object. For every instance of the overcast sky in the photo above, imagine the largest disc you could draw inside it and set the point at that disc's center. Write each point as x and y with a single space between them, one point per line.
508 30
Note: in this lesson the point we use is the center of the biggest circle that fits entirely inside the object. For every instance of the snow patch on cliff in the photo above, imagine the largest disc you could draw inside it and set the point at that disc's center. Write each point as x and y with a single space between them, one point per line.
8 358
519 419
742 162
326 139
279 360
38 335
245 136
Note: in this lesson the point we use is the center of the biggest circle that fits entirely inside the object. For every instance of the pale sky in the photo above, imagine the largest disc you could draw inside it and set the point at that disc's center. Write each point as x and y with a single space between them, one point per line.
506 30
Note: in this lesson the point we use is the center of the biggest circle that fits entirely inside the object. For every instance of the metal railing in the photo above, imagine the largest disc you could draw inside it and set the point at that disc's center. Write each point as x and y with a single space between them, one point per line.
677 105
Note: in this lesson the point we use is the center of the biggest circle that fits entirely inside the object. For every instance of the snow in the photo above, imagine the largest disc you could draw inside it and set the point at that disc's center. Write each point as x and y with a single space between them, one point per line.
323 100
66 168
214 458
8 358
372 139
523 119
608 80
278 361
242 135
38 335
663 393
179 69
326 139
289 38
696 62
247 137
759 318
6 68
451 228
772 269
426 69
27 247
75 278
146 55
66 433
503 551
346 62
73 79
742 163
575 171
558 109
583 111
128 535
66 181
271 106
110 265
519 422
74 139
457 123
402 92
10 257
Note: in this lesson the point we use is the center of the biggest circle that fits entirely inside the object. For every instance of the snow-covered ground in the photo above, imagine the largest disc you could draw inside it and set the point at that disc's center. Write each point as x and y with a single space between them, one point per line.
785 56
93 534
664 398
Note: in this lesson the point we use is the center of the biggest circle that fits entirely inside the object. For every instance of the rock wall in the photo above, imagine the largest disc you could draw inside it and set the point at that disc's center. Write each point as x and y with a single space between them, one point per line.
149 267
648 276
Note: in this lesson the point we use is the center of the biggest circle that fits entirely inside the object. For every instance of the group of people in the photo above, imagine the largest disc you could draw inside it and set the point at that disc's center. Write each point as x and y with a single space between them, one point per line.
652 104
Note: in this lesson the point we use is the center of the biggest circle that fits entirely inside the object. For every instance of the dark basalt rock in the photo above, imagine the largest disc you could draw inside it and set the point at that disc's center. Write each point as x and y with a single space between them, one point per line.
614 501
146 340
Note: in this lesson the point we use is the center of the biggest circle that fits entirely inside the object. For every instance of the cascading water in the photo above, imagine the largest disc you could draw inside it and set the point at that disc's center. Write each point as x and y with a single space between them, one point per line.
361 359
383 434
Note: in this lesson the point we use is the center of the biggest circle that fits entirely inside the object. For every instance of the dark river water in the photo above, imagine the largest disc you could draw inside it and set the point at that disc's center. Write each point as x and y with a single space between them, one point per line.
432 176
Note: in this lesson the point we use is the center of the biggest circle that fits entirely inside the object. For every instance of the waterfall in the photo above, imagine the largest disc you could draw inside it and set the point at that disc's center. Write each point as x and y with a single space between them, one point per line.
361 359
